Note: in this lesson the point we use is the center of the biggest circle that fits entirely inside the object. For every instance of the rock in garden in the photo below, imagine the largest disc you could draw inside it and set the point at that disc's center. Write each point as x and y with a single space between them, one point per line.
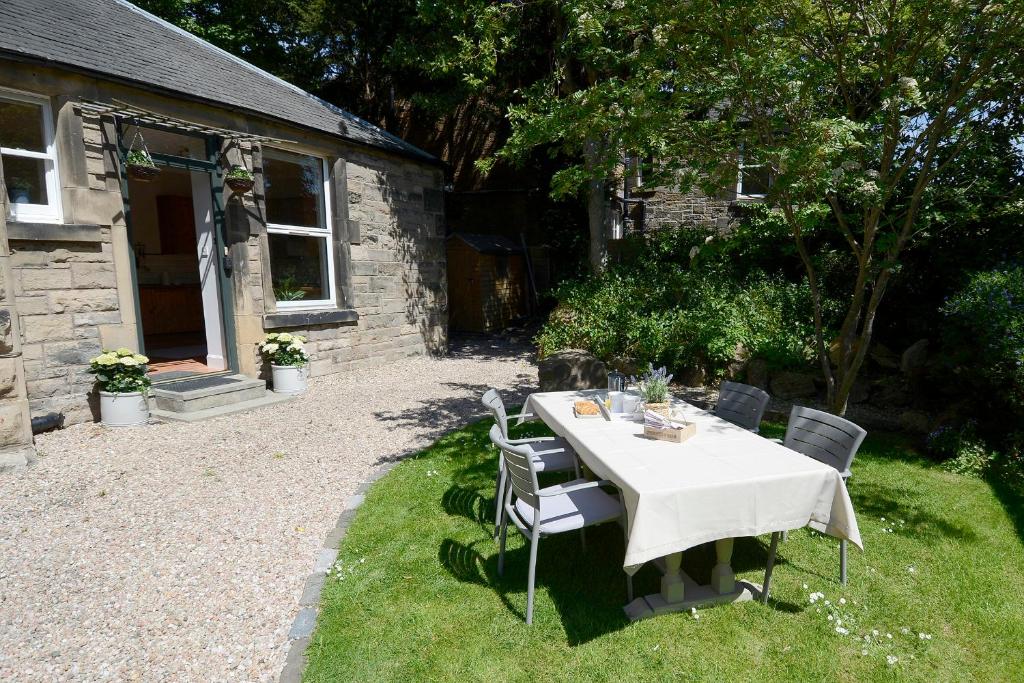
787 385
860 391
891 391
915 422
740 358
757 373
693 376
571 369
914 359
884 357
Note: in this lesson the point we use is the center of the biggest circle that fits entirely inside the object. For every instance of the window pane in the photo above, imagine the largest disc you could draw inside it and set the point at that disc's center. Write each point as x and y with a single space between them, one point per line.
294 187
25 180
755 180
298 267
21 126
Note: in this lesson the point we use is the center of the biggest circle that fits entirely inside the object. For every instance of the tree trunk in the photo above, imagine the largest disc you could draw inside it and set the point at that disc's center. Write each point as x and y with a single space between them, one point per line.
597 213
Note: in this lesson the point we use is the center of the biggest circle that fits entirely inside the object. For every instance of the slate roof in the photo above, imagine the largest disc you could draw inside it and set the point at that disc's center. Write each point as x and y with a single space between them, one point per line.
115 39
488 244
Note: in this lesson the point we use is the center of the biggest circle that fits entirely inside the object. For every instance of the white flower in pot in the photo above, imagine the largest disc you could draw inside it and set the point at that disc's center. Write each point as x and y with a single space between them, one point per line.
289 362
123 384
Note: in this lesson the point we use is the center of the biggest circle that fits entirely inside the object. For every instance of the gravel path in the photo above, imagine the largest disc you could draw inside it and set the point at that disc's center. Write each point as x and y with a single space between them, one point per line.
177 552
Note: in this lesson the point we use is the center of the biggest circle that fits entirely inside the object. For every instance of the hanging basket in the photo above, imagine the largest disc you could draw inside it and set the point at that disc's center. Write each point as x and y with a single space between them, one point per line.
140 161
143 172
240 185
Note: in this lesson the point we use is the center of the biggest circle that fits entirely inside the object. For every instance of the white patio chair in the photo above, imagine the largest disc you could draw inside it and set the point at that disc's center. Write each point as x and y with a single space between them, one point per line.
538 512
549 453
742 404
829 439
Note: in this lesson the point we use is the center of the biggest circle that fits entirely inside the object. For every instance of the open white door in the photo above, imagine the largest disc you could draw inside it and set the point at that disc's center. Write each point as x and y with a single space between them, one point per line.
206 244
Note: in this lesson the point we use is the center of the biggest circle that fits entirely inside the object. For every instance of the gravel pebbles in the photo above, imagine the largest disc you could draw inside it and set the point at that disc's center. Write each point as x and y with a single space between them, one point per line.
177 552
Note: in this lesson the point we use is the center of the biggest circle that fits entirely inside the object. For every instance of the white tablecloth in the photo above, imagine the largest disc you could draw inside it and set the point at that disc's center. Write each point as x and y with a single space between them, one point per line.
725 482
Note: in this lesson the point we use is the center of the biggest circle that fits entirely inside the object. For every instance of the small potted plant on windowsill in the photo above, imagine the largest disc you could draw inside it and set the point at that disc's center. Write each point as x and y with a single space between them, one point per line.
140 165
653 387
289 362
19 191
123 384
239 179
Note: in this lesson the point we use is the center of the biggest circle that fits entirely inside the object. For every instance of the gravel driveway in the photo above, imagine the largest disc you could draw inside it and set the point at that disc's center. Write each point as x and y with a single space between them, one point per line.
177 552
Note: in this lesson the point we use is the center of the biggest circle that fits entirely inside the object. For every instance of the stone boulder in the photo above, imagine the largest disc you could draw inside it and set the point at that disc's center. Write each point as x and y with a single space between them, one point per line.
757 373
914 359
891 391
789 385
884 357
570 370
914 422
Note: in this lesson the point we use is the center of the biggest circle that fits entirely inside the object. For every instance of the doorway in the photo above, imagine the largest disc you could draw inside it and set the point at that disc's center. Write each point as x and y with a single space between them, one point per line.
176 273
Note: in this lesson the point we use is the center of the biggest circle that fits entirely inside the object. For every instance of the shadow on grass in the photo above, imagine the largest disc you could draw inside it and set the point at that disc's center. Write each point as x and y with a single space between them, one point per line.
1009 490
874 500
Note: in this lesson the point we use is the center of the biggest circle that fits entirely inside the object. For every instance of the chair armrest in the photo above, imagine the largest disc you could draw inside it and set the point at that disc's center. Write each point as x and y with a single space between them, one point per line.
532 439
577 487
550 451
521 416
778 441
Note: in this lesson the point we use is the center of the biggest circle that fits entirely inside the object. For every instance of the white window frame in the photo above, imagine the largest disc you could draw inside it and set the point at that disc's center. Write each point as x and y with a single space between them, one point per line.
37 213
739 179
326 232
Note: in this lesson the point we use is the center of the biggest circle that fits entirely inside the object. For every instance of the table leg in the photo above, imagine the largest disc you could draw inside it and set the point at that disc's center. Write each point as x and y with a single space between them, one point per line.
672 587
723 579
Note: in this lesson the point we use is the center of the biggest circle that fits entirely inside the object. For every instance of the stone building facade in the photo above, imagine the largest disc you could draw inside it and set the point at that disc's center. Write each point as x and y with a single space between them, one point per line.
76 283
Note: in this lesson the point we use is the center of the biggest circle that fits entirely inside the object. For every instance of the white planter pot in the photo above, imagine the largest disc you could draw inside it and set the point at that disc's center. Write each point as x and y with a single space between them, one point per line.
289 379
123 410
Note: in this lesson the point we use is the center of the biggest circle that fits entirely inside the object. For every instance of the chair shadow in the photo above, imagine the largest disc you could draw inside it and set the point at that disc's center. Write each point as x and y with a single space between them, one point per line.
467 502
899 503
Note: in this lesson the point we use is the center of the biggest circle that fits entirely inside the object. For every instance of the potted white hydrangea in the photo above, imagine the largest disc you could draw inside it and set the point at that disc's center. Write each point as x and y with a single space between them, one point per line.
288 361
123 383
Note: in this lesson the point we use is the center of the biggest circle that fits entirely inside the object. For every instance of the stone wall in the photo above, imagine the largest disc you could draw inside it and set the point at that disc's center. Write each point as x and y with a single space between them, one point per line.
395 227
669 208
16 448
72 283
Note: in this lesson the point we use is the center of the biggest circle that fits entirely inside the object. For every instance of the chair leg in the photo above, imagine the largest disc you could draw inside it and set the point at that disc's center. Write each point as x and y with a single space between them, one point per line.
499 499
501 546
534 542
629 588
583 539
772 549
842 562
785 535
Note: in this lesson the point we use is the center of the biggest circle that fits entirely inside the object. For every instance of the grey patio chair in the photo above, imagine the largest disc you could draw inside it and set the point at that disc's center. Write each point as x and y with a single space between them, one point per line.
549 453
538 512
829 439
742 404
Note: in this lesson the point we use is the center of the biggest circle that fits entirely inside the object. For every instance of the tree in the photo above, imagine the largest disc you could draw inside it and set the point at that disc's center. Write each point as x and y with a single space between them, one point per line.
855 106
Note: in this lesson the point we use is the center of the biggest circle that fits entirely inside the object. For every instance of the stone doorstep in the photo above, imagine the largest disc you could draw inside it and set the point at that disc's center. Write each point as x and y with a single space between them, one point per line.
230 393
17 458
267 399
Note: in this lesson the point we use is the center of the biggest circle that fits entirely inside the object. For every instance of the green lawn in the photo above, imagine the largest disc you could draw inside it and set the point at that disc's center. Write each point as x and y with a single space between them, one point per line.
415 595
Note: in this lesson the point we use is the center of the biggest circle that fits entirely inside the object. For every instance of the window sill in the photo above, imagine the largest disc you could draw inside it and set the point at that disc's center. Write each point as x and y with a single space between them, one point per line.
54 232
289 319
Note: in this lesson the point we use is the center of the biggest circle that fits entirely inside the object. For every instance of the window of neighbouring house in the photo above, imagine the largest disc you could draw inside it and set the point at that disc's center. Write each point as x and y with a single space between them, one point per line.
754 180
299 229
29 158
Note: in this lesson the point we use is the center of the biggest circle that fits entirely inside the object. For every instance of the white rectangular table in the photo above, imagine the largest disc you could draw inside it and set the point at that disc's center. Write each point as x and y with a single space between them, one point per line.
723 483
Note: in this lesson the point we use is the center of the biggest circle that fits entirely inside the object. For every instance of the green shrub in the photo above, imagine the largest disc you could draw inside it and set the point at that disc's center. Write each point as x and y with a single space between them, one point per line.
961 450
659 308
985 331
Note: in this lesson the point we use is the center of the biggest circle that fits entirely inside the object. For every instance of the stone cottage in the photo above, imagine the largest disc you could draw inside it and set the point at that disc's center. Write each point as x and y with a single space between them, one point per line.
341 238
